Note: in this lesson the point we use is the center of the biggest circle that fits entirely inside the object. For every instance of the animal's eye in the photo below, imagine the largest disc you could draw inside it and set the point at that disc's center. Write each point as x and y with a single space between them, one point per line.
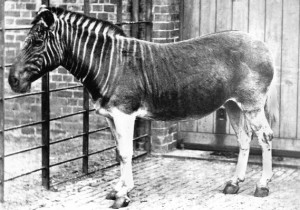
38 42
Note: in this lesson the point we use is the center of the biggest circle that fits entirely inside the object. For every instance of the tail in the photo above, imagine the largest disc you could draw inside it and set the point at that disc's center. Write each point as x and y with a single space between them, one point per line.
272 102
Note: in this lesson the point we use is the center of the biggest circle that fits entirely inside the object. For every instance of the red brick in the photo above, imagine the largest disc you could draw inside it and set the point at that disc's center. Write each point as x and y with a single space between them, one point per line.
155 140
103 16
164 26
114 1
162 2
158 124
162 17
12 45
109 8
65 94
20 37
20 6
166 9
30 6
9 37
161 34
159 132
23 21
159 148
67 78
172 128
72 102
67 110
56 78
93 14
62 71
69 1
9 21
97 8
12 14
52 86
157 10
26 14
78 94
10 53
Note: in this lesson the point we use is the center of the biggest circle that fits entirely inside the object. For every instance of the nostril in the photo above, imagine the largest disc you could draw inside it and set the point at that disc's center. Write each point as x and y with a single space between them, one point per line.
13 81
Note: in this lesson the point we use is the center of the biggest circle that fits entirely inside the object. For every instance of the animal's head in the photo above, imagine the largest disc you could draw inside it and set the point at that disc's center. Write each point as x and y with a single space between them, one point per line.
40 54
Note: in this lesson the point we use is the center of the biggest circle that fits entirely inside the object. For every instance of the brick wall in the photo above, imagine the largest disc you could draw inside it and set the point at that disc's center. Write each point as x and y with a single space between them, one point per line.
19 13
165 30
166 21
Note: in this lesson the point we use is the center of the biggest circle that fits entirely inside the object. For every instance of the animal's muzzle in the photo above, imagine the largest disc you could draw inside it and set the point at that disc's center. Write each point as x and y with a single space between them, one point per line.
16 83
13 81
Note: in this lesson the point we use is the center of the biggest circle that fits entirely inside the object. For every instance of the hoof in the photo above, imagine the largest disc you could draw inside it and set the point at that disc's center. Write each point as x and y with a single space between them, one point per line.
231 188
261 192
111 195
120 202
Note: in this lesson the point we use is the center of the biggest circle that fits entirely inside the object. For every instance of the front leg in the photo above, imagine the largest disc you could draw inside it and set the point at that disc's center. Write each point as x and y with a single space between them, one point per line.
122 125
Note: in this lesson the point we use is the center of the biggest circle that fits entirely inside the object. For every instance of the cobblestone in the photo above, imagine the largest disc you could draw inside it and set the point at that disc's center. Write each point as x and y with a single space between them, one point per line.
179 184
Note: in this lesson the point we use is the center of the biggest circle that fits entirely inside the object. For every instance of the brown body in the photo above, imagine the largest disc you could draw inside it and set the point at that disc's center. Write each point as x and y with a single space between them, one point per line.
130 78
195 77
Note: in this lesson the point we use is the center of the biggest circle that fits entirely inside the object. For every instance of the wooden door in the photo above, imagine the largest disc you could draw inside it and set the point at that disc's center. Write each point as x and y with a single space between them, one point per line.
277 23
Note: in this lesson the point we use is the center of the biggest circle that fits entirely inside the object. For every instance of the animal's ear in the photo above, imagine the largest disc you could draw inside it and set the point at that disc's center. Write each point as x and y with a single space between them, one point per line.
44 17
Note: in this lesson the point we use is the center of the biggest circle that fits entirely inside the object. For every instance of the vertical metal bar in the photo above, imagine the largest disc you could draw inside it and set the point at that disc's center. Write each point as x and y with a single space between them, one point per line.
2 60
149 26
85 137
45 131
135 18
45 126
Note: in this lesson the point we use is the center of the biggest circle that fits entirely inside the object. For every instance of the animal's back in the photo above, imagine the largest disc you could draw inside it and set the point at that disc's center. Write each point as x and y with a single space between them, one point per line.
195 77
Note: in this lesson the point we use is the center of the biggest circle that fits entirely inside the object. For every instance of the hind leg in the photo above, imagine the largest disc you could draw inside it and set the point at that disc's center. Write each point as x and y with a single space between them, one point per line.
261 127
244 134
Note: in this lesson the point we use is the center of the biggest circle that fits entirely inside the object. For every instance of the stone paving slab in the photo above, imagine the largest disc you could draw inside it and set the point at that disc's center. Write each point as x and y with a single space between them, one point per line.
172 183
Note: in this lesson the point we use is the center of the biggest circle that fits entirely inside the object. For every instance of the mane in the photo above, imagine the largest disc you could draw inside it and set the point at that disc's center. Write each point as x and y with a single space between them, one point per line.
60 11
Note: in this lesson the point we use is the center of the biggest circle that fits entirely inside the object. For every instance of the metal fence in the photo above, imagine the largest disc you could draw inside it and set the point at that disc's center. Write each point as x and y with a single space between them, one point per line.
141 126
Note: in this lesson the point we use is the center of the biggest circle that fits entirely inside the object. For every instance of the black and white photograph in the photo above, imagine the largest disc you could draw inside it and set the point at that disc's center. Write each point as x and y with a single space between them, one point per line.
149 104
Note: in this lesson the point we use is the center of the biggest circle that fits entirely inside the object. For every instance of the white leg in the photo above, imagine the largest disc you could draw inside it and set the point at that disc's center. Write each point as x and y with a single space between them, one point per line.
267 164
241 167
122 126
244 134
261 127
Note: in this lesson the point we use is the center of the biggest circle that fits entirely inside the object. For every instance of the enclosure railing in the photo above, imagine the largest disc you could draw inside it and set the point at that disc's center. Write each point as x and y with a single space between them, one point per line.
2 61
45 105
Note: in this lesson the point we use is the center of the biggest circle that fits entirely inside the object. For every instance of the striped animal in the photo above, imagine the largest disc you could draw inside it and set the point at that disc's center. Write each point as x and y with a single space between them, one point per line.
129 78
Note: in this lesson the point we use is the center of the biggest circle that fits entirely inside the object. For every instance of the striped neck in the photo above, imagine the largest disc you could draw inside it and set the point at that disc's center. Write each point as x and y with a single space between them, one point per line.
89 50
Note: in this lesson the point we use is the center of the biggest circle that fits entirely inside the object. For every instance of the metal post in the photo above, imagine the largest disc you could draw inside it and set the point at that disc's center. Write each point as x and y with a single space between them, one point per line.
45 132
135 18
45 126
2 61
85 137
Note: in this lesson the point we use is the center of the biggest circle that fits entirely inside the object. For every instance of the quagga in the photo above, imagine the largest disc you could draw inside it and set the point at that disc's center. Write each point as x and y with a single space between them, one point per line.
129 78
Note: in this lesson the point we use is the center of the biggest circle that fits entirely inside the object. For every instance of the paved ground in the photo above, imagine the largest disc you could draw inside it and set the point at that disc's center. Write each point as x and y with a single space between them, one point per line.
174 183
